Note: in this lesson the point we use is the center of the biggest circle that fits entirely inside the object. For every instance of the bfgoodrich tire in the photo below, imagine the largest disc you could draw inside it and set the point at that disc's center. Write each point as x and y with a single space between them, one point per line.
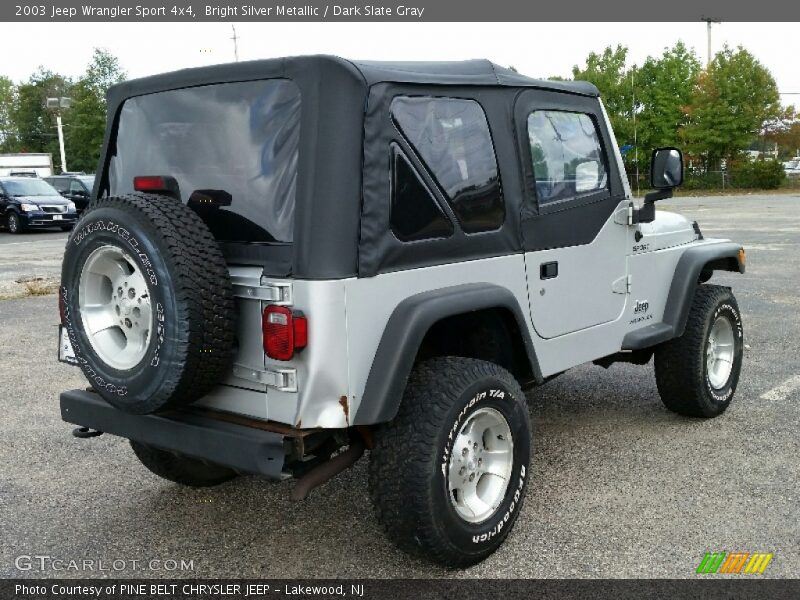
148 302
697 373
181 469
448 475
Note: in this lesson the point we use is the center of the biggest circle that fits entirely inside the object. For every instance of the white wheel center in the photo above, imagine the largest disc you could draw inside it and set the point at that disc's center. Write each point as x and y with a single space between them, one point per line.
720 352
480 465
114 303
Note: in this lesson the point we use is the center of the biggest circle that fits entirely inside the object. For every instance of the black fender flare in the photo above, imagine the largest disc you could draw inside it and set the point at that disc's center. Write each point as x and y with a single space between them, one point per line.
405 330
723 256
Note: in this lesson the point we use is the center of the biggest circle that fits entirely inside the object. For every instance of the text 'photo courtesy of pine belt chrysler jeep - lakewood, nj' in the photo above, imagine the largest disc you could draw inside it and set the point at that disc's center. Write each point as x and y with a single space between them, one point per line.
288 262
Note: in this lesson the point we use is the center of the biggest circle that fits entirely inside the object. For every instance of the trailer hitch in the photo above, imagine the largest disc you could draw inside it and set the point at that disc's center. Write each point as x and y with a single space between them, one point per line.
86 432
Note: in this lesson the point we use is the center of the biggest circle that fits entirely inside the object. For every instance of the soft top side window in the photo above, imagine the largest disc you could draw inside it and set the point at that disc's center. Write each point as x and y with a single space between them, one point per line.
568 157
452 139
416 215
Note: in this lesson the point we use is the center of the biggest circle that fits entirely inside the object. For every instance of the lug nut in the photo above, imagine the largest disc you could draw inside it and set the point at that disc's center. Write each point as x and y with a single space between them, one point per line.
464 452
131 293
472 476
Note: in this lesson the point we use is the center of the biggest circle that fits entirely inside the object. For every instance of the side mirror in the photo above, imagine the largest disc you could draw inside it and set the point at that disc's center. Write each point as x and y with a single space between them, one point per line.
666 173
666 168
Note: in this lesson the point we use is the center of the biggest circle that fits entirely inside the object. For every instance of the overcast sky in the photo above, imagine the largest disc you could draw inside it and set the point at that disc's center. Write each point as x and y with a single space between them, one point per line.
535 49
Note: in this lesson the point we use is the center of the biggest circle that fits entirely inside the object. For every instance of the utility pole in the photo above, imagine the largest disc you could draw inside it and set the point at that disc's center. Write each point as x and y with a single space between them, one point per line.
709 21
635 140
58 105
235 43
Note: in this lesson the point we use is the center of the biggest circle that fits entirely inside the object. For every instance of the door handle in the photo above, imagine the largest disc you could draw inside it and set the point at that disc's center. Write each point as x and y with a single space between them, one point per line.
548 270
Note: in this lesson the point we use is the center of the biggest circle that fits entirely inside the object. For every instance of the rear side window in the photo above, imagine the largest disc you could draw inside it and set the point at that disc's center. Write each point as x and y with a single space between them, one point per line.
233 149
568 158
452 138
416 215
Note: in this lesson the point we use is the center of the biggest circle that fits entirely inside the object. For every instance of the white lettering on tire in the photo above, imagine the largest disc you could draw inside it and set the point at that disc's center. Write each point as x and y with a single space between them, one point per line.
737 322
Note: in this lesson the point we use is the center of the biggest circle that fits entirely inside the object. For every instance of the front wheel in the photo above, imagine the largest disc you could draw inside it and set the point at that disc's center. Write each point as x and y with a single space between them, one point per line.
697 373
15 223
448 475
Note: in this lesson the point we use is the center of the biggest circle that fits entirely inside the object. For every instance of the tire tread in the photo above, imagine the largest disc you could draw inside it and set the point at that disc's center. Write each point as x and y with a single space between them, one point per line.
400 463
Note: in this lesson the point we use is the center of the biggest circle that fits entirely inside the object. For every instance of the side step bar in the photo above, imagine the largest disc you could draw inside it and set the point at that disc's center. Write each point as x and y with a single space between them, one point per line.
244 449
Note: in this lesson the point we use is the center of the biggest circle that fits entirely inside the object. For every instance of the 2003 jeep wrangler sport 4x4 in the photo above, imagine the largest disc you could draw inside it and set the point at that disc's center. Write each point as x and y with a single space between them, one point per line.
287 262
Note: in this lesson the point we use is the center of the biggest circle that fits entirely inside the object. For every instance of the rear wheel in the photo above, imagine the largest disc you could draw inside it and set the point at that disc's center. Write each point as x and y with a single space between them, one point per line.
697 373
448 475
181 469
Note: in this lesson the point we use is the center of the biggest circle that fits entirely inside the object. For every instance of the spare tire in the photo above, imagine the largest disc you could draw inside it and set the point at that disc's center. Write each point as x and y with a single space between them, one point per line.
147 302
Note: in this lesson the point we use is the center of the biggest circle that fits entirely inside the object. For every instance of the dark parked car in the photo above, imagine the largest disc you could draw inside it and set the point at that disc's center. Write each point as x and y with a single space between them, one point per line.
77 188
26 202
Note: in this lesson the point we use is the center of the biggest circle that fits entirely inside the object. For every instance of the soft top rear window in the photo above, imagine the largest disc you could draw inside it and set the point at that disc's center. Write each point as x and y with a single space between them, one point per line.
232 148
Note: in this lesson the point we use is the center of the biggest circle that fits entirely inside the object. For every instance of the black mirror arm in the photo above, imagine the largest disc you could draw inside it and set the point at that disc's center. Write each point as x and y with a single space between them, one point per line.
647 212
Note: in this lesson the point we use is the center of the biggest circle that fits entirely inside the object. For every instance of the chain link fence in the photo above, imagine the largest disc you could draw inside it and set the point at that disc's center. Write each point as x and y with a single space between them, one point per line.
714 182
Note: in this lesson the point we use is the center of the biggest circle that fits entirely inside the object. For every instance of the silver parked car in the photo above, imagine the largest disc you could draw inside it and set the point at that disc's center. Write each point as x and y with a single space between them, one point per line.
792 167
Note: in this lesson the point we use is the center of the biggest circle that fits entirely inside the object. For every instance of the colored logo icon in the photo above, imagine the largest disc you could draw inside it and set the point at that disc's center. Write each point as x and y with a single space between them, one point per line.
734 562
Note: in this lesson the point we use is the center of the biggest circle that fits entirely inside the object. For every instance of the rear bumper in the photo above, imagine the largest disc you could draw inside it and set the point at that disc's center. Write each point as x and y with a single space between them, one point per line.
245 449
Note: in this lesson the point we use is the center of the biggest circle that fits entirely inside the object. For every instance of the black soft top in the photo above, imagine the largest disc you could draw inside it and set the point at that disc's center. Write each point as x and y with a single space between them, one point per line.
342 101
468 72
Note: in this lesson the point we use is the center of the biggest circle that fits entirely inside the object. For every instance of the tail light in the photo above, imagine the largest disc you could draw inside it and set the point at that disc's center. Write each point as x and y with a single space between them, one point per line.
147 183
161 184
284 332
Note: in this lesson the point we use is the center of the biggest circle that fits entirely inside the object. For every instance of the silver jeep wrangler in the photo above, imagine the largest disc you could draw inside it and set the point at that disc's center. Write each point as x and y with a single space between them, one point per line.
287 262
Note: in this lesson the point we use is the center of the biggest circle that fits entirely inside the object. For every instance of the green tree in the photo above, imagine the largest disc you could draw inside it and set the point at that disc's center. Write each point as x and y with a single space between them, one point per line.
87 118
732 102
785 132
7 96
33 124
664 88
608 72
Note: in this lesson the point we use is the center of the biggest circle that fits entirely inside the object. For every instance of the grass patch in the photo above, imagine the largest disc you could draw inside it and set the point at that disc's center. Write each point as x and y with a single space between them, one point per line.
39 286
28 287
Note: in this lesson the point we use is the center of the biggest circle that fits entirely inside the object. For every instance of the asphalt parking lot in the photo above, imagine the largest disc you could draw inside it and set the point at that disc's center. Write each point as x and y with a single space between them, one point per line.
33 257
620 486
